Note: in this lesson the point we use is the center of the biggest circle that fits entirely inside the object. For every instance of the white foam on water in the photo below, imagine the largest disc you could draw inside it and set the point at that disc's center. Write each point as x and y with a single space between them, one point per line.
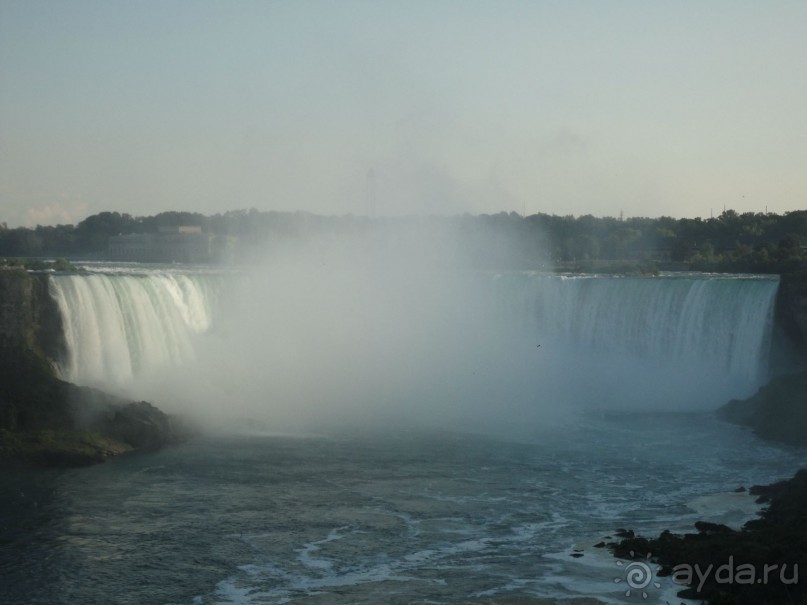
306 553
733 509
597 572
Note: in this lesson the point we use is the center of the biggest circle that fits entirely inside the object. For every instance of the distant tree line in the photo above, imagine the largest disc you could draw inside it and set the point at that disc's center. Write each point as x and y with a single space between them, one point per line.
758 242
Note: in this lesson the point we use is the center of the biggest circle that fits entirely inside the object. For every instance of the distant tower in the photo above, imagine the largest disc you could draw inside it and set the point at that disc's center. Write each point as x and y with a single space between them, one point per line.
370 193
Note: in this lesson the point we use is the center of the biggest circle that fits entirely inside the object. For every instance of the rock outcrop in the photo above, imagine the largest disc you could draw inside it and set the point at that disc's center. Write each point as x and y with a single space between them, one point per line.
778 411
45 420
789 345
758 564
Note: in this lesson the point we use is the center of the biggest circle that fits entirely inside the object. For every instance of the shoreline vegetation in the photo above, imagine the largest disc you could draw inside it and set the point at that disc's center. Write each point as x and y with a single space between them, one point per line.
731 242
60 265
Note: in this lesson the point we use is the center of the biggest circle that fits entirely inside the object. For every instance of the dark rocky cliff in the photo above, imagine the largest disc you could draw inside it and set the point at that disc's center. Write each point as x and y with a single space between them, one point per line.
45 420
790 328
778 411
31 340
29 317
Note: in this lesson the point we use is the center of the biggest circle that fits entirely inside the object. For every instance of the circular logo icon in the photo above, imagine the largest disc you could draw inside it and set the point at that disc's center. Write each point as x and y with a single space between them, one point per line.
638 576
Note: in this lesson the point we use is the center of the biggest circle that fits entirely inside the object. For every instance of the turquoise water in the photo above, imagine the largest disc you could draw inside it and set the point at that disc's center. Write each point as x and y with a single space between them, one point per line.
376 518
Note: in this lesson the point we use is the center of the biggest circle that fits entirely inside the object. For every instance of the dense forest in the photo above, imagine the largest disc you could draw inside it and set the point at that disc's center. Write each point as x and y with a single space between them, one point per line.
758 242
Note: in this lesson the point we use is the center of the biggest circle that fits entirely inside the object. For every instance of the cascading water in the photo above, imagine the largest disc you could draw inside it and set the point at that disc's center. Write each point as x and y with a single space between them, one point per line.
685 342
119 326
705 337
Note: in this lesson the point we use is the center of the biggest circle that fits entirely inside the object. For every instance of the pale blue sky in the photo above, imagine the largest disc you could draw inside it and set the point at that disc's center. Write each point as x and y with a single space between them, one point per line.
565 107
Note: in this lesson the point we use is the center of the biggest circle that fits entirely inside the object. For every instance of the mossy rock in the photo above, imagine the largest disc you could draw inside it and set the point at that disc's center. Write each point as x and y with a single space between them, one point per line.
57 448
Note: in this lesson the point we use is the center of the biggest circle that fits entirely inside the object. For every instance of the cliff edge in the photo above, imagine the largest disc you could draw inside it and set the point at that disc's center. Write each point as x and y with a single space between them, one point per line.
45 420
778 411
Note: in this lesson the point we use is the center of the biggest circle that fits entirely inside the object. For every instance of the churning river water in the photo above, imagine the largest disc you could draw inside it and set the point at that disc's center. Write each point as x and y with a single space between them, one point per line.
408 517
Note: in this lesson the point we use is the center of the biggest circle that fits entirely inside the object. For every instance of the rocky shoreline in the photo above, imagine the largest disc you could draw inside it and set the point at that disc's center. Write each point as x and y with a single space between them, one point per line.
758 564
49 422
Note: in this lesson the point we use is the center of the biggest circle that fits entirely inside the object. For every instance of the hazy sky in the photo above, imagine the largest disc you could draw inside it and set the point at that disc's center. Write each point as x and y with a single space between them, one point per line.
563 107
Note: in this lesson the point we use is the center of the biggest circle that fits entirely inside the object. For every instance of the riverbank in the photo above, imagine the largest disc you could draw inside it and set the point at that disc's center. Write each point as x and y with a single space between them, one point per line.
57 448
45 421
756 565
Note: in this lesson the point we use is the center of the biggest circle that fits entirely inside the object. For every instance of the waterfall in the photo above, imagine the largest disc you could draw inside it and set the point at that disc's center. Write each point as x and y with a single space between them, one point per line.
672 342
119 326
700 336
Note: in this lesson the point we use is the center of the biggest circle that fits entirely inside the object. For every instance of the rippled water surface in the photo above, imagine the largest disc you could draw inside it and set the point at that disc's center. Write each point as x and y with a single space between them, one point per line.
402 518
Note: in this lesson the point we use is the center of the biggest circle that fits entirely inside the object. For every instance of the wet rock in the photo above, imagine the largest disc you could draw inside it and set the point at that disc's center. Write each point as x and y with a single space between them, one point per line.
140 425
777 412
